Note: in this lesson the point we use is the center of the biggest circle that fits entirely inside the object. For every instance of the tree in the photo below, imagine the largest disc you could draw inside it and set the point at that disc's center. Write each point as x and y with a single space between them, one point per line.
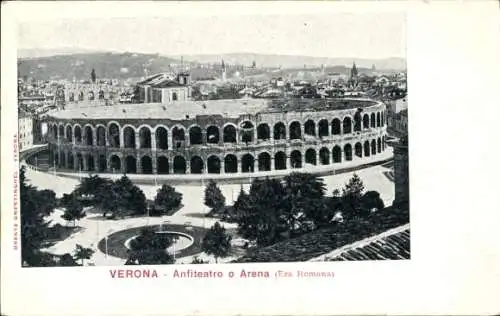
351 198
197 260
93 76
73 209
216 242
82 253
214 197
150 248
167 198
67 260
371 201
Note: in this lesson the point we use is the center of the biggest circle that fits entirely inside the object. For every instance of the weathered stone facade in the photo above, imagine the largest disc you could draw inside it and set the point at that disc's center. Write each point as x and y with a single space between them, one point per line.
401 173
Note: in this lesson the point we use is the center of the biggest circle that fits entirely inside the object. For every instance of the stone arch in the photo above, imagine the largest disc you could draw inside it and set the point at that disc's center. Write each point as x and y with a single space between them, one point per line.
280 160
78 133
146 164
144 137
63 159
366 121
229 133
247 163
337 153
102 163
71 97
213 134
91 95
323 128
348 152
162 166
61 131
213 164
347 125
195 135
174 96
130 164
310 128
263 132
89 137
264 161
378 119
357 121
79 161
336 129
179 165
101 135
69 133
296 159
372 120
101 95
295 130
128 137
80 96
115 163
374 147
383 143
324 156
379 145
90 162
178 136
382 119
196 165
358 150
71 162
230 164
366 147
114 134
161 134
54 131
279 131
247 130
310 156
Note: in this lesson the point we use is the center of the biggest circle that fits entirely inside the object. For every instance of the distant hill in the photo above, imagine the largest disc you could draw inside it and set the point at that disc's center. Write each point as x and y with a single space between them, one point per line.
290 61
37 53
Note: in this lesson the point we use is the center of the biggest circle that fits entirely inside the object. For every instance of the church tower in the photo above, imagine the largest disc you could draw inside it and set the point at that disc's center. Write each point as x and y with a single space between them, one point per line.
224 75
354 71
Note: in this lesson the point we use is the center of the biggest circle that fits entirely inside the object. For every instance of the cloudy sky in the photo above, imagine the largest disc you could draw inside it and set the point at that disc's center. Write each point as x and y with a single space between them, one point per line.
366 35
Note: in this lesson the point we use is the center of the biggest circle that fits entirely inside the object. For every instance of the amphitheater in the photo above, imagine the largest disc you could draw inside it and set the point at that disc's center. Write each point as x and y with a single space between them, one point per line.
216 137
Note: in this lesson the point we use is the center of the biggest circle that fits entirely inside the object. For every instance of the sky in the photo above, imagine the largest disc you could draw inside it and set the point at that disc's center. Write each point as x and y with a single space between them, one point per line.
368 35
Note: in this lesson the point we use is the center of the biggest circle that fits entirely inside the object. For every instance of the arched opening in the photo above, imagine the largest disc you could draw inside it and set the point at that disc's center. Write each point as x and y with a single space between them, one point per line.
336 126
264 162
63 159
79 162
279 131
247 163
213 164
247 132
311 156
61 131
213 135
78 134
69 134
196 165
337 153
357 122
378 119
54 131
147 165
102 163
91 96
358 150
179 165
348 152
382 119
310 128
174 96
263 132
145 137
80 96
101 136
71 97
383 143
347 125
295 132
129 137
162 165
324 156
366 147
115 164
296 159
130 164
161 138
366 121
229 134
379 145
372 120
88 136
374 147
230 164
101 95
90 163
178 136
71 163
280 161
114 135
195 136
323 128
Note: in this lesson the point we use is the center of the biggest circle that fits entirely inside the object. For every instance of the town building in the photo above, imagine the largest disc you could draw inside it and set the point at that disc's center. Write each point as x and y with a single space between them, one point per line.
25 130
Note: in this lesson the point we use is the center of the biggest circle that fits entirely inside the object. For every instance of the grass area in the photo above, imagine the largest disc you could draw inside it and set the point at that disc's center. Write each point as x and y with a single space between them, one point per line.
59 232
322 241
